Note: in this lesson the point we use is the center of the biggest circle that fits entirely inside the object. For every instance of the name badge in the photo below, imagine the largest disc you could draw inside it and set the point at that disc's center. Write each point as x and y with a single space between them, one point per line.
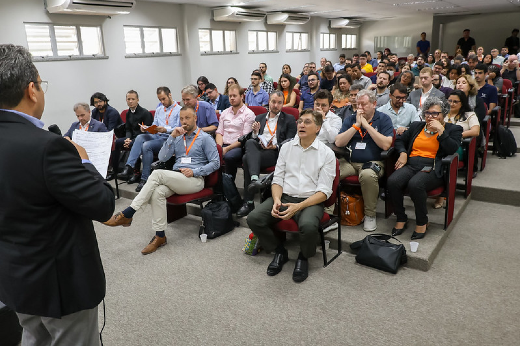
186 159
361 145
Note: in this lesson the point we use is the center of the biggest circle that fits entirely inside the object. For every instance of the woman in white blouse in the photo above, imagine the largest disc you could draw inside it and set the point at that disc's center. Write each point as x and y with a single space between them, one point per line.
462 115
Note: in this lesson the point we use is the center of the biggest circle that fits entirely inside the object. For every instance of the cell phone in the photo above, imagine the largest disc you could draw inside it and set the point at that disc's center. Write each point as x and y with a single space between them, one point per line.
427 169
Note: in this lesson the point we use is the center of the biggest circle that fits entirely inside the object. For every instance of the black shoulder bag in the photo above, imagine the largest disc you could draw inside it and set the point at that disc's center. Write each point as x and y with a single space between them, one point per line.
377 252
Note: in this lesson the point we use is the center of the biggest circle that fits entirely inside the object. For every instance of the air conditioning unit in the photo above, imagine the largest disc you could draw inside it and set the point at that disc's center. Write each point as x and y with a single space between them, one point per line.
287 18
90 7
344 23
237 14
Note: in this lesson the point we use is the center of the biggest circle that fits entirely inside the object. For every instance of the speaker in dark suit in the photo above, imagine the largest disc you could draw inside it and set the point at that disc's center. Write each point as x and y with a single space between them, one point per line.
50 267
275 127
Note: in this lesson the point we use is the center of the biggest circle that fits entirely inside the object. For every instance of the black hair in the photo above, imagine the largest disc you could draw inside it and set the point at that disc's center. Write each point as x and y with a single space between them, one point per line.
163 89
323 94
464 104
210 86
98 95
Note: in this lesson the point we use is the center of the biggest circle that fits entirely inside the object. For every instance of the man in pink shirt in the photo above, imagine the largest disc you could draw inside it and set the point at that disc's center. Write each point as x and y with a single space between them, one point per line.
234 122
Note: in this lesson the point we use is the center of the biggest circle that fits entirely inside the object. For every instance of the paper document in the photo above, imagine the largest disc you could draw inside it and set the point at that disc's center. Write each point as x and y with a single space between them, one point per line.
98 146
264 141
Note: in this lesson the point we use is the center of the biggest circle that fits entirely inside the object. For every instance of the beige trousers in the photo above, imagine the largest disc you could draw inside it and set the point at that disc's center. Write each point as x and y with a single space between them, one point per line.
368 179
161 185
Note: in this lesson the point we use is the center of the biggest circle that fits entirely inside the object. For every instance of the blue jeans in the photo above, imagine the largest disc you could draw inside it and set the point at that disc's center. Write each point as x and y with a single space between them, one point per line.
146 145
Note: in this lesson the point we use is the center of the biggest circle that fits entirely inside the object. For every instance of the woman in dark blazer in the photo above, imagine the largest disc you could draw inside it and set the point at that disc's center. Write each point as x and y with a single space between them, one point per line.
418 168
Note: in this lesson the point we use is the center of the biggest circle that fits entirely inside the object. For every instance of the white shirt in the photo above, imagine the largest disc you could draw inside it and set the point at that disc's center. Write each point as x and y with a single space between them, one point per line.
330 128
84 128
303 172
272 122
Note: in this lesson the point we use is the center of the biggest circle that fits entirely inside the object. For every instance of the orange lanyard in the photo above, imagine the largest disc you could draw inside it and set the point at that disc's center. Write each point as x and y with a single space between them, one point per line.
361 133
193 141
168 117
269 127
197 109
86 128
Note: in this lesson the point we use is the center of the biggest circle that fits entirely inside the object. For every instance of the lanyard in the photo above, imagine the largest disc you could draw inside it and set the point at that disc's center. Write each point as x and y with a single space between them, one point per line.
269 128
168 117
197 108
193 141
86 128
361 133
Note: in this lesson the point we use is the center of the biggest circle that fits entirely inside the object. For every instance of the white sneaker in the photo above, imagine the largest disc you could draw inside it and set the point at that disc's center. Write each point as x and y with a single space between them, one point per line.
331 227
370 224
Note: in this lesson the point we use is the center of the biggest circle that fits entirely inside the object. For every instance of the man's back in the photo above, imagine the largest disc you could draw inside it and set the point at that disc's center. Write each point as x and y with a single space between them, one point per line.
49 200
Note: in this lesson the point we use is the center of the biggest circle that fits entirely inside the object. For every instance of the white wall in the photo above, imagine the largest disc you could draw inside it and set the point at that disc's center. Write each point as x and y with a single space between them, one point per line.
75 81
408 26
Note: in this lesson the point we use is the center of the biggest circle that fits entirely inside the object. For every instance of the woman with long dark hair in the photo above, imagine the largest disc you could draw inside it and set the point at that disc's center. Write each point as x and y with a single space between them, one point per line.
201 85
286 85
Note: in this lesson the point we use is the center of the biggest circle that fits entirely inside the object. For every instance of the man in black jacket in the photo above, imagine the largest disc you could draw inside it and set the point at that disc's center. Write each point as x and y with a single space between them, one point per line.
135 116
270 130
50 268
103 112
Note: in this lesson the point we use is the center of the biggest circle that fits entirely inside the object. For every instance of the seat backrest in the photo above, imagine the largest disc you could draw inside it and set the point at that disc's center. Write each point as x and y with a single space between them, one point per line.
153 113
292 111
506 86
370 74
332 199
257 109
275 84
123 115
212 179
297 103
297 91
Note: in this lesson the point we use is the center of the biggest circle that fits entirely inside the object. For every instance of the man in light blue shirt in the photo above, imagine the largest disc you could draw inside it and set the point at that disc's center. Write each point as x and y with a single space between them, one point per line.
401 113
341 64
256 96
206 116
196 156
148 144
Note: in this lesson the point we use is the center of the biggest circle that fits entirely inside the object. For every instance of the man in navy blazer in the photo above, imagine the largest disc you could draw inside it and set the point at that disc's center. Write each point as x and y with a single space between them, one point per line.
51 273
218 101
85 121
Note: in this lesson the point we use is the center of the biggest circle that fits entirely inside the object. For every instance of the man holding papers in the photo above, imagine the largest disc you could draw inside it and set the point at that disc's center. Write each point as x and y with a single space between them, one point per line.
196 156
148 144
269 132
85 121
50 268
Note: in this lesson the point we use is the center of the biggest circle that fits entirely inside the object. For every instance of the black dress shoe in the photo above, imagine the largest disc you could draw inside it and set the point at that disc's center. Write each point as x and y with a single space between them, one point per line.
416 235
399 231
110 176
254 186
126 174
245 209
301 270
135 178
277 264
140 186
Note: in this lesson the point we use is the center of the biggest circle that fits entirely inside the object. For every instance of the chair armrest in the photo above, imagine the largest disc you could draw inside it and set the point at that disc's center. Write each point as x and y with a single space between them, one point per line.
340 152
447 160
467 141
267 180
385 154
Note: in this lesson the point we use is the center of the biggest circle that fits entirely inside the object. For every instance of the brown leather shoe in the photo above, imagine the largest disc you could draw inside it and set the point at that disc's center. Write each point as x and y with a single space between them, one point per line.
154 244
118 220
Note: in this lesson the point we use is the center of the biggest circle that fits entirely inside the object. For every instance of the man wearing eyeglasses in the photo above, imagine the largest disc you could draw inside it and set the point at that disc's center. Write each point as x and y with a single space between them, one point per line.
51 273
256 96
402 114
85 121
302 181
307 97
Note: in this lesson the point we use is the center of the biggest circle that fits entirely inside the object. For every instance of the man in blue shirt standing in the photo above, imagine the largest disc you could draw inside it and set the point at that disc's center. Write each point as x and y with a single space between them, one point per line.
148 144
423 46
256 96
367 133
196 156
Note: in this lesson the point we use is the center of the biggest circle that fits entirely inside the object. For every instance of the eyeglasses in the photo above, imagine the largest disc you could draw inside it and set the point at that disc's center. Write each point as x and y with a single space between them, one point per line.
43 85
306 122
453 102
312 80
399 98
431 114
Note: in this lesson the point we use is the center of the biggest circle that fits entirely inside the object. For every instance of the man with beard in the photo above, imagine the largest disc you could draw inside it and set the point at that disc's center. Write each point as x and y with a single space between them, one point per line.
436 81
381 87
103 112
196 156
402 114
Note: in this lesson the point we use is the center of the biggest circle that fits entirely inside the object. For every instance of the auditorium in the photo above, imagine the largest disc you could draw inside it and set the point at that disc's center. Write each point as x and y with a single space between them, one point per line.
200 139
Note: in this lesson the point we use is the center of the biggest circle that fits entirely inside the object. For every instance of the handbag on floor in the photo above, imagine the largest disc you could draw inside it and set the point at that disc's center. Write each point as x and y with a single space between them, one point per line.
216 219
377 252
352 209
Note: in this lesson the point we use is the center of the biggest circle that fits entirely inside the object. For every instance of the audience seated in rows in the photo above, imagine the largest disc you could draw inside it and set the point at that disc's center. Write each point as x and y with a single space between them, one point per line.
367 133
419 168
85 121
196 156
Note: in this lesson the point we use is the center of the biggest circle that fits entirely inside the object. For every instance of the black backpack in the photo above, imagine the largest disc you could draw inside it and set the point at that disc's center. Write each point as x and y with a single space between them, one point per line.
505 142
216 219
231 192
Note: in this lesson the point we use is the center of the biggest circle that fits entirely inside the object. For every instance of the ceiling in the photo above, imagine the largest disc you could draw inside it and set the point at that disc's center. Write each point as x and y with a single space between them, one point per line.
367 9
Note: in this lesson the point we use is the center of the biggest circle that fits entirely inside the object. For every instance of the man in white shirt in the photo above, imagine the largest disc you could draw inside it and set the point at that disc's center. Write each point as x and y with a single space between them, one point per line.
401 113
302 181
331 122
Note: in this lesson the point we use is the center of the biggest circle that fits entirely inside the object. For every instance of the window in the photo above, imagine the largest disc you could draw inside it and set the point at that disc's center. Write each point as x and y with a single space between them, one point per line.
327 41
399 44
296 41
50 41
348 41
150 41
217 41
262 41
